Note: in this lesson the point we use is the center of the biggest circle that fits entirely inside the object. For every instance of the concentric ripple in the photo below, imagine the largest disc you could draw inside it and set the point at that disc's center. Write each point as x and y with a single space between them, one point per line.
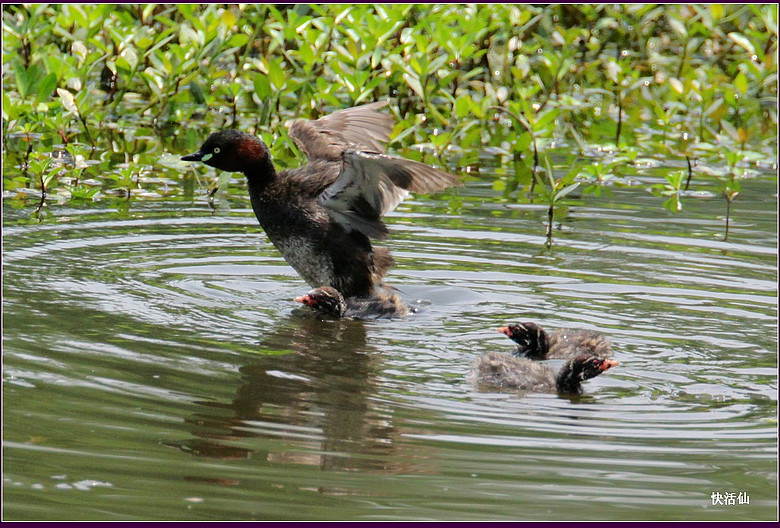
163 351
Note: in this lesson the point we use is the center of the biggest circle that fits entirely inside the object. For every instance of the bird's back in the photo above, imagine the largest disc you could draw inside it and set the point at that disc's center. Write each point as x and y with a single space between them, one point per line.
509 372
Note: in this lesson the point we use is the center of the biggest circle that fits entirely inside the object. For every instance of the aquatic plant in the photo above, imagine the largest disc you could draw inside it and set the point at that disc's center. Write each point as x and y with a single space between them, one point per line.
598 86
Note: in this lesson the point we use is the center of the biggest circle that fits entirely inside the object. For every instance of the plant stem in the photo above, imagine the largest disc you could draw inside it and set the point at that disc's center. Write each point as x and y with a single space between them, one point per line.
43 197
690 172
550 213
728 216
620 119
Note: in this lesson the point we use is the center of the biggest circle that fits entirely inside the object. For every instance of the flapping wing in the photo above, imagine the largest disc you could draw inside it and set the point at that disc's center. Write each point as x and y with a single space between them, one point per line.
361 128
408 174
371 185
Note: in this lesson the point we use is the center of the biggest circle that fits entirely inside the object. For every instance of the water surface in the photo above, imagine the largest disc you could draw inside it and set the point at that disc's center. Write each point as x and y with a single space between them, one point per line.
155 366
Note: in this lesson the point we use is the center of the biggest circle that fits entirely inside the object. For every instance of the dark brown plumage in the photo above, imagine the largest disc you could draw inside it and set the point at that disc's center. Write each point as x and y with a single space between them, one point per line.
508 372
533 342
322 216
329 301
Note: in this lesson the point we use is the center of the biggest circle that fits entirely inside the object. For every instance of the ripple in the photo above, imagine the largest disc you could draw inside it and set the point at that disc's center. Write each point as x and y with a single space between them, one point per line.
170 340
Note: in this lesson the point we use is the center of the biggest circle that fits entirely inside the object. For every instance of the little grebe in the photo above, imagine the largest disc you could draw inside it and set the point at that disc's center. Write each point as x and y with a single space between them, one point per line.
329 301
509 372
321 216
534 343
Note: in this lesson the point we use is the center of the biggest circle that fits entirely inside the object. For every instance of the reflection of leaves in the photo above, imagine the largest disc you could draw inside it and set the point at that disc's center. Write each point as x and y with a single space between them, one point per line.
523 173
673 203
673 189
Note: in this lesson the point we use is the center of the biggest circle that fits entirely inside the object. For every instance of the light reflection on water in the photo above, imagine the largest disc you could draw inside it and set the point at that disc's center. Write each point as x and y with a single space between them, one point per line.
161 359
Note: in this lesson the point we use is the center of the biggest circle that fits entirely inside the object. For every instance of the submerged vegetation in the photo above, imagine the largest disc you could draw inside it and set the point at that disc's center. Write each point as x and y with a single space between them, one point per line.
548 102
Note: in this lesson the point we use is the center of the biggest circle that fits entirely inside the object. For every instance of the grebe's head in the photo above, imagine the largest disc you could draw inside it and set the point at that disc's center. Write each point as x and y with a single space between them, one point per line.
231 151
325 299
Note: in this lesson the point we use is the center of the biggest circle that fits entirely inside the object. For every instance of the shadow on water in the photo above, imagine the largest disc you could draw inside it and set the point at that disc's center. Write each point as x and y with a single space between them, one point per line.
320 389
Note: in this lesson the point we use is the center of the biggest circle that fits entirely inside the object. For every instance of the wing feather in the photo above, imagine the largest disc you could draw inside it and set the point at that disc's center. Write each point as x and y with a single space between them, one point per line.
371 185
361 127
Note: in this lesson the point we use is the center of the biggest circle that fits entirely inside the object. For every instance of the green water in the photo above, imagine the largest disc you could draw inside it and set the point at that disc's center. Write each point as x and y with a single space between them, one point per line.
155 366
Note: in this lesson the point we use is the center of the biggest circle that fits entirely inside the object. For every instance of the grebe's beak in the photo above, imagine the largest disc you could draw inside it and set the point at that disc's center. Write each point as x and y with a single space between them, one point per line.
305 299
195 156
608 364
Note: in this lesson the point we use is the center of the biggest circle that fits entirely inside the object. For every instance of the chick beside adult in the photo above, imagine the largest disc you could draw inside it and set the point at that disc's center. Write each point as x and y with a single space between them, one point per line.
329 301
508 372
322 216
533 342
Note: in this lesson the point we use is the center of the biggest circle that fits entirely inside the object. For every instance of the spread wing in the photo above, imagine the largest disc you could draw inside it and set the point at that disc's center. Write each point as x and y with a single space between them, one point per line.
361 127
371 184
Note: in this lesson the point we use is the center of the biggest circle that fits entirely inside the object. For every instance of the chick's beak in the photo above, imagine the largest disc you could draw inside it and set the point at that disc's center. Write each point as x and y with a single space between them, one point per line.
304 299
504 330
608 364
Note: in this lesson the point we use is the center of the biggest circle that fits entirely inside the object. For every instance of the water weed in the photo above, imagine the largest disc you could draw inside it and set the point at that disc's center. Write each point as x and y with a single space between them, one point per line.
593 89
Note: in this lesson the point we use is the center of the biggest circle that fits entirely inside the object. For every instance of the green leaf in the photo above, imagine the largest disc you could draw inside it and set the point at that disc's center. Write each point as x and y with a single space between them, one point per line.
714 106
276 74
547 117
463 106
613 70
415 84
522 142
730 130
27 80
80 50
741 82
566 190
22 82
743 41
549 174
197 93
46 87
129 56
262 86
676 84
228 18
9 111
678 26
307 53
732 157
223 180
238 40
68 101
523 173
